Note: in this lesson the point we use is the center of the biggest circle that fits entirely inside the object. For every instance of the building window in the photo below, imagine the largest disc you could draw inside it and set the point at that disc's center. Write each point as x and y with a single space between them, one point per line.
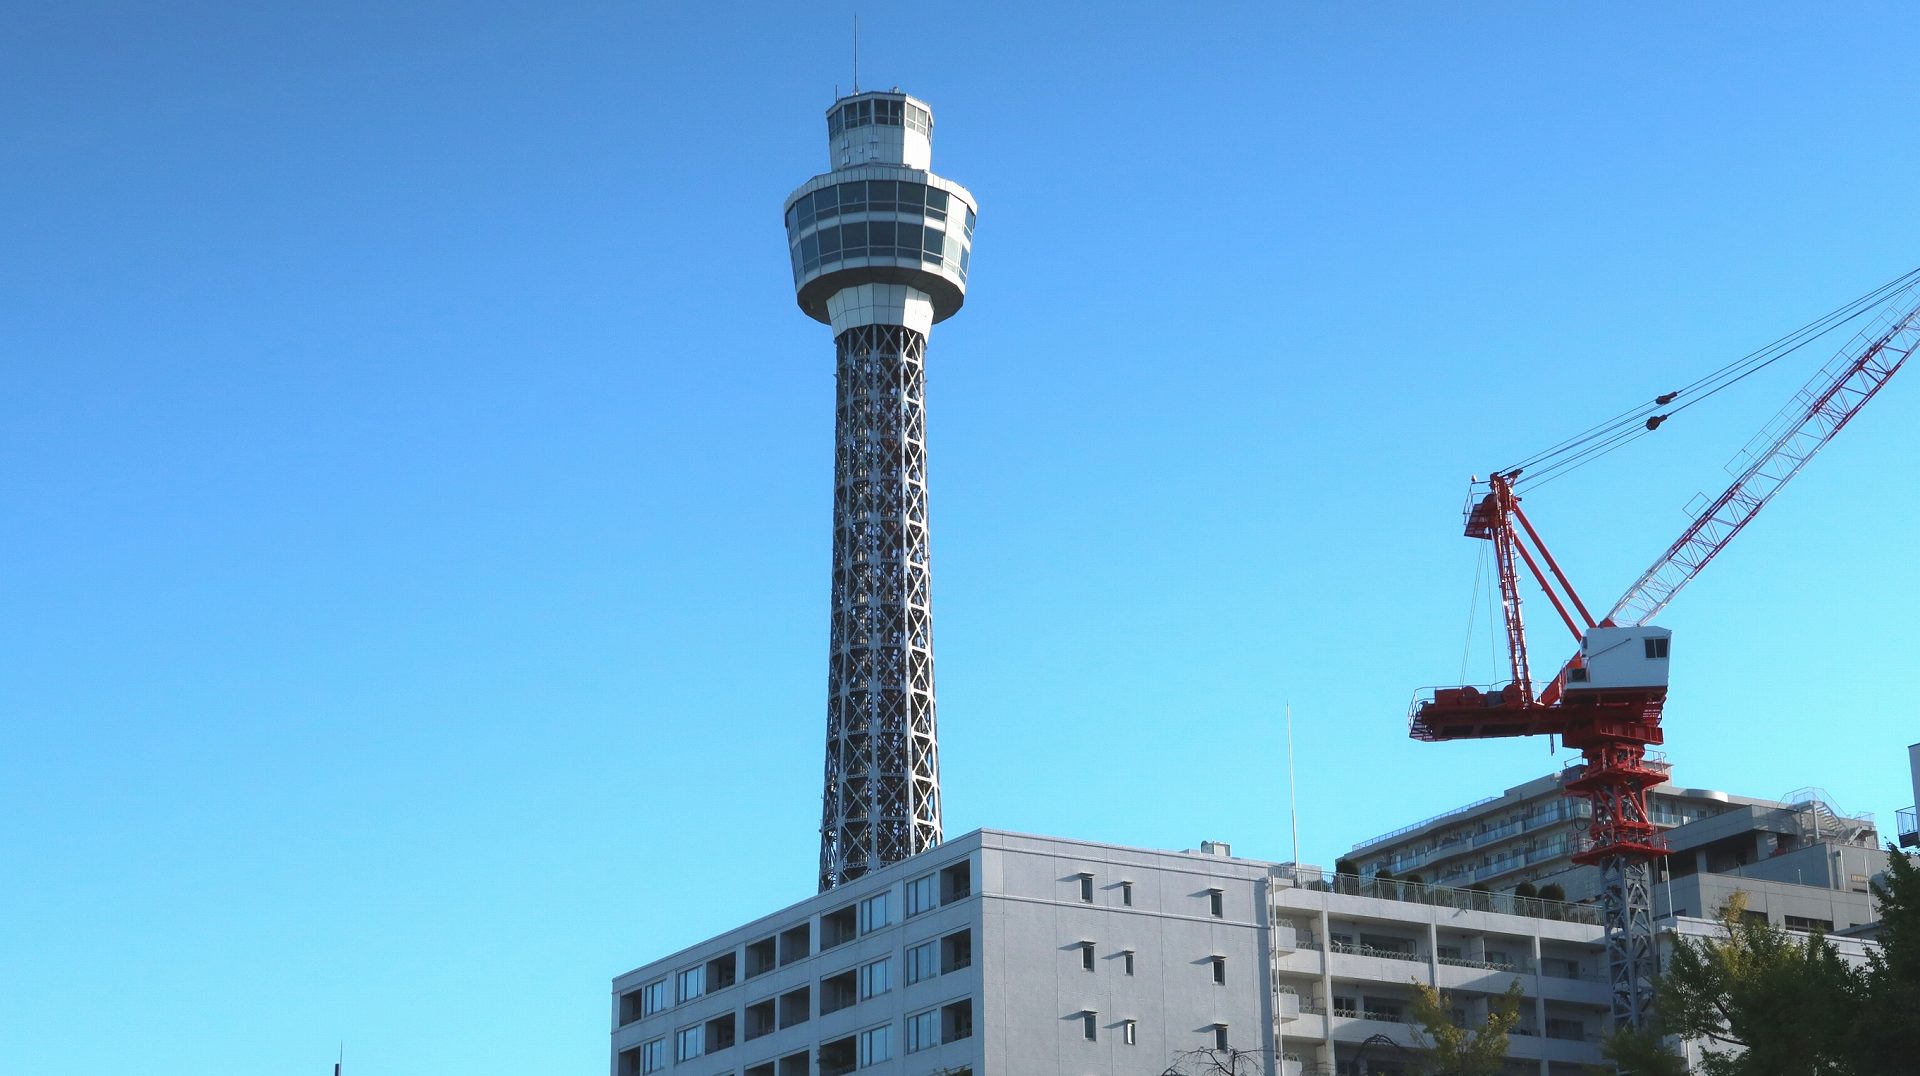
1219 1036
690 1042
956 951
873 913
875 978
923 1030
837 927
923 962
1086 955
1126 893
1216 903
923 894
653 1055
1128 1031
1086 888
1657 648
691 983
1126 957
653 998
876 1045
1089 1025
956 1020
956 882
1220 970
796 1006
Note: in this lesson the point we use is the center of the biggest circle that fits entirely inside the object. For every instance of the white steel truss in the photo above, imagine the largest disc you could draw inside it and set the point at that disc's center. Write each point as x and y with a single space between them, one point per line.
882 799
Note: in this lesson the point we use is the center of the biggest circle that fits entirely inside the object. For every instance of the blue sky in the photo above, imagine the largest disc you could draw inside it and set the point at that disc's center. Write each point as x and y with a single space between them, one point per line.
417 474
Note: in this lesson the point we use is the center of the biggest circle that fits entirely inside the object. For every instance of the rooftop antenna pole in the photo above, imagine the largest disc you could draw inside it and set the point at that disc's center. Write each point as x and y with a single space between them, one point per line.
1293 797
342 1061
856 52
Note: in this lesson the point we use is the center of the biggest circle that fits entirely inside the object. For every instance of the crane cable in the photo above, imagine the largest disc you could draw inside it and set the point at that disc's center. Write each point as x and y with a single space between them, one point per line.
1634 423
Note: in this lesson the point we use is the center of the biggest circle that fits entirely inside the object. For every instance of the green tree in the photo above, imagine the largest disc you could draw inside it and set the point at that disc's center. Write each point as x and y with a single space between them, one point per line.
1886 1031
1638 1053
1454 1050
1787 1005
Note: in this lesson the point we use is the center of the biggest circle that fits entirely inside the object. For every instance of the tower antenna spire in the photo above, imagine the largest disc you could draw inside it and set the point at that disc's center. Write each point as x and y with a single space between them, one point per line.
856 52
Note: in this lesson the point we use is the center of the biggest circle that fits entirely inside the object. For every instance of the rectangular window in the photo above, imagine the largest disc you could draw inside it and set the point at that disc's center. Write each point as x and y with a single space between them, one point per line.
653 1055
653 998
923 1030
874 914
1127 961
1216 903
1128 1033
837 928
1657 648
761 956
796 1006
1089 1025
956 1020
956 951
955 882
690 1043
1220 970
923 962
1086 888
1086 955
876 978
1219 1036
876 1045
691 983
1126 893
936 204
794 944
923 894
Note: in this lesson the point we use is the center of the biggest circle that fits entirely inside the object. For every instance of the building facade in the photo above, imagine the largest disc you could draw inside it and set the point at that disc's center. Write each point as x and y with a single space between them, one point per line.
1802 859
1007 953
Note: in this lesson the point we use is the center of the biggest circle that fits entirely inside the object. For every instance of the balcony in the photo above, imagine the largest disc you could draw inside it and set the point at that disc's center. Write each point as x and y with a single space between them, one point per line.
1436 895
1907 826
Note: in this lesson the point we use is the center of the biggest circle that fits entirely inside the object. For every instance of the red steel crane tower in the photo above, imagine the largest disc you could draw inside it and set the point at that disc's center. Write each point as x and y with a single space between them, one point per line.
1607 701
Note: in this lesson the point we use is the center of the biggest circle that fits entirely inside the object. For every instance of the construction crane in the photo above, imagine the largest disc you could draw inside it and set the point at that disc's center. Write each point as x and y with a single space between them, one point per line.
1607 701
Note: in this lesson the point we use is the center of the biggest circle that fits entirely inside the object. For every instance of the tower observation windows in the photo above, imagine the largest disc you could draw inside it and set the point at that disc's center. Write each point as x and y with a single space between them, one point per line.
870 196
878 112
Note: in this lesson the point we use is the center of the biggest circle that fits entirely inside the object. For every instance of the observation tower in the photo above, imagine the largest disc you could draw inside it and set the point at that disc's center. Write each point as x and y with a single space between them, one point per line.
880 251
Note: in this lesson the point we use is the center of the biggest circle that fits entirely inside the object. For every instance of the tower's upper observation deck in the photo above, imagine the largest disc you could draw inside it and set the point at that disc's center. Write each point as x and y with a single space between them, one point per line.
880 216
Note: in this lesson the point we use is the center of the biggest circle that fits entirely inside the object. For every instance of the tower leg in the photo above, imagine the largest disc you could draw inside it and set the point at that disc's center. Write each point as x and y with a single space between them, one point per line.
882 801
1633 960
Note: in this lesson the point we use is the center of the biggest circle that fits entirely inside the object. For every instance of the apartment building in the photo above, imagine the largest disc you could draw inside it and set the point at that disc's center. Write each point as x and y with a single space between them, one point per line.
1719 842
1007 953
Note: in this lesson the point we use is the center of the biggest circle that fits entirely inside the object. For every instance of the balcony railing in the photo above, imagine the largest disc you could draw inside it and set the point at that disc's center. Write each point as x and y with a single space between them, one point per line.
1356 949
1439 896
1907 824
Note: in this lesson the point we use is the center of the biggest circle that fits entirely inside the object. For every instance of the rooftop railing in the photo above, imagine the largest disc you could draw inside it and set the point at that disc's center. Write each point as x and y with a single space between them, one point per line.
1403 830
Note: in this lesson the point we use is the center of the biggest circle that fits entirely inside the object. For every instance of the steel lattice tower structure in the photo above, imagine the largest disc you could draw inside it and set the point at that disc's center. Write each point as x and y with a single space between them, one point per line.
880 251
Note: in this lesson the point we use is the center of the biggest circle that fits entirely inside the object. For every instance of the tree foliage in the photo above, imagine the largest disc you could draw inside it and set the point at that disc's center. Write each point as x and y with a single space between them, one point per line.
1786 1003
1454 1050
1886 1034
1638 1053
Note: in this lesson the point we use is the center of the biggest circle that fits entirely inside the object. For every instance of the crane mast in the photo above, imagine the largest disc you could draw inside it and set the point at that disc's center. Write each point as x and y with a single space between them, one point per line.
1608 700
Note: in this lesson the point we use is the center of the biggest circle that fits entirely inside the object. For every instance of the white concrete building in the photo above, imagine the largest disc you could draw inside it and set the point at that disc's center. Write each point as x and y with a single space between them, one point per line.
1802 861
1004 953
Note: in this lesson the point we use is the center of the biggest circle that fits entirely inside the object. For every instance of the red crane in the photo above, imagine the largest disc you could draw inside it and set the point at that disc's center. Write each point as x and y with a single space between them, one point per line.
1607 700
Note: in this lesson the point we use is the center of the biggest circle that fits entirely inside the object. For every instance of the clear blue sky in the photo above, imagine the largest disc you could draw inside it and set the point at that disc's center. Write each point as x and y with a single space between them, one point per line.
414 545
